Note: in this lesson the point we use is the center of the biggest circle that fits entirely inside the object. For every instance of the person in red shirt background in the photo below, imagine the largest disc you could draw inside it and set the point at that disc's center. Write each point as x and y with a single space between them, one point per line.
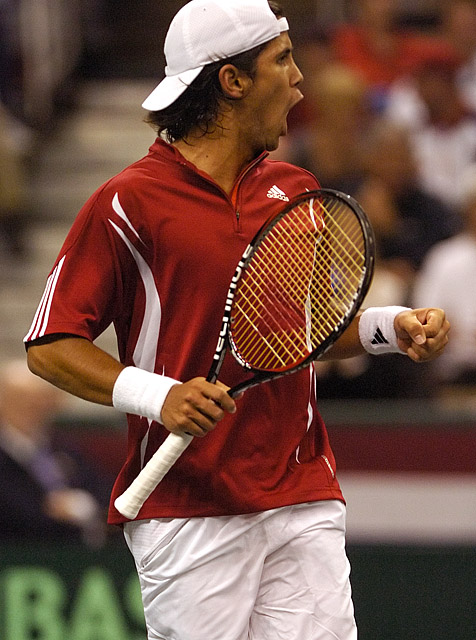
375 46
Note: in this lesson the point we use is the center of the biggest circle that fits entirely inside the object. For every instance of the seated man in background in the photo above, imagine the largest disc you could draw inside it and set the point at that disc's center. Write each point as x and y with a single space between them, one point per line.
46 494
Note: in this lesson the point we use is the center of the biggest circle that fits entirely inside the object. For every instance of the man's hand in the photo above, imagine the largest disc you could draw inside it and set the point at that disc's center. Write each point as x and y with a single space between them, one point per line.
196 407
422 333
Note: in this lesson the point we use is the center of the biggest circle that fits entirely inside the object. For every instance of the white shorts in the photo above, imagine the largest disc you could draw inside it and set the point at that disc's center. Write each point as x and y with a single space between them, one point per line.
277 575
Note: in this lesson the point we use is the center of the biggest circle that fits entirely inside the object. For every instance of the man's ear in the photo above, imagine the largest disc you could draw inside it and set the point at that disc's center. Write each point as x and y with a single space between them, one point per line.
235 84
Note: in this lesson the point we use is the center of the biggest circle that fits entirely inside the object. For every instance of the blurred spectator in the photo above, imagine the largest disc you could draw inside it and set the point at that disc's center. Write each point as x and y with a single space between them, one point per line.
378 48
459 29
13 199
41 48
312 52
406 219
10 56
443 128
448 279
407 223
329 145
46 493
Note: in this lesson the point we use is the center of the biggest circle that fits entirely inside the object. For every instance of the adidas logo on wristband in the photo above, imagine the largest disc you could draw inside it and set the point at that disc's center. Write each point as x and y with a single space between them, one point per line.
379 338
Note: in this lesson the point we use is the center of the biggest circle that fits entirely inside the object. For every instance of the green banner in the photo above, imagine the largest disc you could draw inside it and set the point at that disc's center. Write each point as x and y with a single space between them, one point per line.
69 593
72 593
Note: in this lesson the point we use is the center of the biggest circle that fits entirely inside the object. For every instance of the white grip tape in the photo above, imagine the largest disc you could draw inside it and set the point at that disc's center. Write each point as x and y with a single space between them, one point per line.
129 503
141 392
377 329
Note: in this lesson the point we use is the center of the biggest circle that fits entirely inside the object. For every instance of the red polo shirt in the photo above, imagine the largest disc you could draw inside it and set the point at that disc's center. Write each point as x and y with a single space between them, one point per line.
153 252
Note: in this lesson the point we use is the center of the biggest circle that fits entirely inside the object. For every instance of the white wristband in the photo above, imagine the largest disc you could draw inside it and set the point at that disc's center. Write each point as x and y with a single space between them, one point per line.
377 330
141 392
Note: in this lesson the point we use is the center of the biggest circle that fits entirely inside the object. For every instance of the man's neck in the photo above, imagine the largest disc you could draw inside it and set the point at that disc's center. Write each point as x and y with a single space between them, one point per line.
222 155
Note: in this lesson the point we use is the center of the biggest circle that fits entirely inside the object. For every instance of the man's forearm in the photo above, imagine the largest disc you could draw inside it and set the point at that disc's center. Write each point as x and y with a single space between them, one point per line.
77 366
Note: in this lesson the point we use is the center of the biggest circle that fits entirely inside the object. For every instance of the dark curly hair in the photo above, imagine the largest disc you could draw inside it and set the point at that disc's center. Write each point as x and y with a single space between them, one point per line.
199 106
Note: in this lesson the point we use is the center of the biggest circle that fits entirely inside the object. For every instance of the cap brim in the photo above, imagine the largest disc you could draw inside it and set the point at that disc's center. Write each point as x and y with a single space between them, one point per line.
171 88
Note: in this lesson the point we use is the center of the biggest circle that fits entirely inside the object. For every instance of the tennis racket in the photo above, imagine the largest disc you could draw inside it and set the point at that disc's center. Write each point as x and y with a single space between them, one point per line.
296 289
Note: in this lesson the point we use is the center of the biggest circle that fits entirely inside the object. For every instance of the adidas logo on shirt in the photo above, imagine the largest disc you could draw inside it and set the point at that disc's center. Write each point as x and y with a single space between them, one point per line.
275 192
379 338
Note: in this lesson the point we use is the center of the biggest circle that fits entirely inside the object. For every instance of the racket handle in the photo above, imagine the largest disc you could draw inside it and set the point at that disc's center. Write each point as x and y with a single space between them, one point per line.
129 503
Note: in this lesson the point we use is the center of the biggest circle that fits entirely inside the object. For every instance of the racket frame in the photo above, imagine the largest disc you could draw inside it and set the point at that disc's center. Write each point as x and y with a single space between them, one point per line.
225 338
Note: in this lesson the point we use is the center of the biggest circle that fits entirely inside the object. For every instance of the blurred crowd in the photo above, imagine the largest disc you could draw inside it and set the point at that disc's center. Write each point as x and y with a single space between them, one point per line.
389 116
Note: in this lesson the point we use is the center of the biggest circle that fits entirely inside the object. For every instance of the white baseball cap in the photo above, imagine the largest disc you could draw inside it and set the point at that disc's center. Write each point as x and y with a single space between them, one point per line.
205 31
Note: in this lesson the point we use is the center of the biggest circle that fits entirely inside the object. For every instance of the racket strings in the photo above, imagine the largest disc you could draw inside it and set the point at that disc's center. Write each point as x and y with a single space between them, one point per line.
305 273
350 229
289 342
267 327
337 251
263 290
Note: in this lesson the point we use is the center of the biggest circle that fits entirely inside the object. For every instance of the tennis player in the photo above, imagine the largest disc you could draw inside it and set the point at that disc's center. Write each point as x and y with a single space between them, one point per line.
244 537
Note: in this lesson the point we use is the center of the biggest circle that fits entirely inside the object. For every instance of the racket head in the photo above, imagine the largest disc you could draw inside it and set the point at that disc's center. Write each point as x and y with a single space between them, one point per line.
301 281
